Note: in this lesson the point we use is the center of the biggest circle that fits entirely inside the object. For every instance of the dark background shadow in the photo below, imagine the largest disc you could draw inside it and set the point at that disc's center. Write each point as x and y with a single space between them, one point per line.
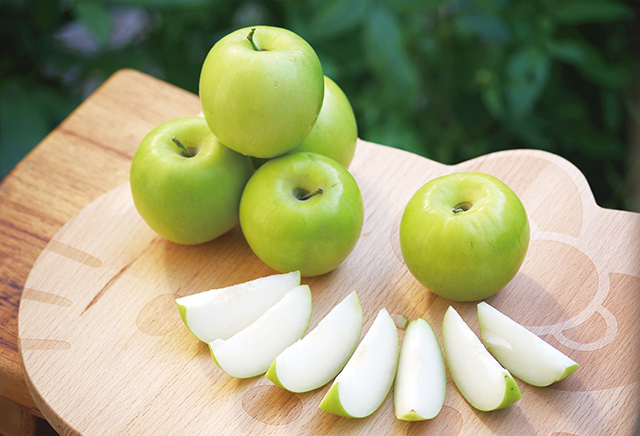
447 79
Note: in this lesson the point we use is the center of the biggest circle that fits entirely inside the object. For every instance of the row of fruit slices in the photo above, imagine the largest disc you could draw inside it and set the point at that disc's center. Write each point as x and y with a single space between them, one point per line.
258 327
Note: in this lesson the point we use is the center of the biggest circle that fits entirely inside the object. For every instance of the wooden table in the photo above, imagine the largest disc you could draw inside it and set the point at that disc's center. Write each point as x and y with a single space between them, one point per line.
579 287
85 156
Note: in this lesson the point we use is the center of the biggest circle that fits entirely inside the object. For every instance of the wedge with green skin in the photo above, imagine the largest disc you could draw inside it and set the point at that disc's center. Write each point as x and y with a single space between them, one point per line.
481 380
400 320
249 352
221 313
317 358
364 383
524 354
421 380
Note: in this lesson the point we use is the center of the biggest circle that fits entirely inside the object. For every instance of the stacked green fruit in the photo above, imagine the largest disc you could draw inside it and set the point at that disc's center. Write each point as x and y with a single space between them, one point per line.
303 211
261 90
264 98
186 184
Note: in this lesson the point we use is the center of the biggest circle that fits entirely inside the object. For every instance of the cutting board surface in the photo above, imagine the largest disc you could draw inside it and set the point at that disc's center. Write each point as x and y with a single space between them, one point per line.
105 351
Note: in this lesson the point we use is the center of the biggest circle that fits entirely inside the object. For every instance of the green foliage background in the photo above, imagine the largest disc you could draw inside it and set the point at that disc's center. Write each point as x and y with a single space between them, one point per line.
446 79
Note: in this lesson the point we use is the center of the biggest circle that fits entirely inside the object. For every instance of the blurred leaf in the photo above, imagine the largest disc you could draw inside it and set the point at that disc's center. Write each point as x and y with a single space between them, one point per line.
492 98
567 51
394 130
527 73
611 111
96 17
386 56
167 4
532 134
23 123
486 27
413 6
447 79
601 146
608 76
336 18
590 62
591 11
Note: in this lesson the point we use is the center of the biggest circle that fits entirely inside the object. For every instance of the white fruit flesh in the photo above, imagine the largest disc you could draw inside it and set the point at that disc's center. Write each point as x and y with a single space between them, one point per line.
524 354
484 383
400 320
317 358
366 380
421 380
221 313
249 352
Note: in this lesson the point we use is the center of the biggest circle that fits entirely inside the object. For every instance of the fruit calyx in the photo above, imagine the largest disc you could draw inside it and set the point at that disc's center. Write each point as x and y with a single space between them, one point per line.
302 194
250 38
184 151
463 206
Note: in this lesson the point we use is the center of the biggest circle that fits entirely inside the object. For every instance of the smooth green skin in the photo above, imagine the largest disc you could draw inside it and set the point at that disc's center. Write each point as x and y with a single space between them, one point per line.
524 354
400 320
376 356
471 365
331 402
182 310
312 236
335 133
188 200
261 103
469 255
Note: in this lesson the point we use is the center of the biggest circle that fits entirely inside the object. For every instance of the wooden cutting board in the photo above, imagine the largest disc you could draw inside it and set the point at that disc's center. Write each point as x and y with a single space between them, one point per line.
105 352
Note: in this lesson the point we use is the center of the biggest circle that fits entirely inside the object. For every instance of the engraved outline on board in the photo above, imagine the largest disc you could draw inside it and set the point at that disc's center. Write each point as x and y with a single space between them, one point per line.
448 422
73 253
159 316
106 287
282 407
44 344
45 297
556 329
39 296
595 305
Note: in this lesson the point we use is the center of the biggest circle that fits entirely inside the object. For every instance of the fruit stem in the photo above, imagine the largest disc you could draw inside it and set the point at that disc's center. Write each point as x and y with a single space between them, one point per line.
308 195
250 38
179 144
461 207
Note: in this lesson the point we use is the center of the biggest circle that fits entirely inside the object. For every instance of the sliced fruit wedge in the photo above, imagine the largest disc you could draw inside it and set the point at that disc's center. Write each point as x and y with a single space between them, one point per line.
421 380
481 380
221 313
364 383
318 357
524 354
249 352
400 320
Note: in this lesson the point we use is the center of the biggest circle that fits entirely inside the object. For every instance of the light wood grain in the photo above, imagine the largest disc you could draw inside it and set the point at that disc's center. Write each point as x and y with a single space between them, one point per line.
85 156
105 351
